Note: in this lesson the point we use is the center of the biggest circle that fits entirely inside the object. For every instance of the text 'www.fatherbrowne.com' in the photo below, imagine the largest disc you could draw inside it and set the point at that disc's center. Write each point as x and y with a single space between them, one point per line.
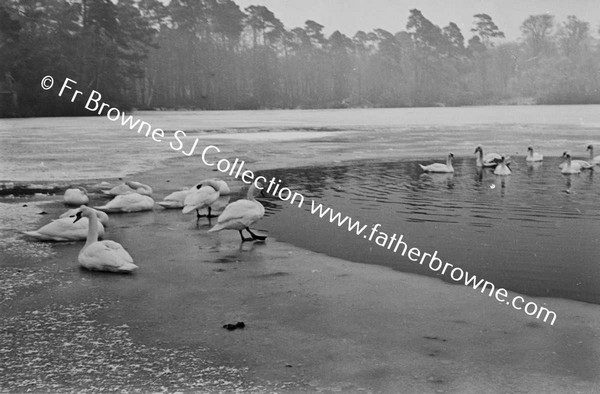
396 244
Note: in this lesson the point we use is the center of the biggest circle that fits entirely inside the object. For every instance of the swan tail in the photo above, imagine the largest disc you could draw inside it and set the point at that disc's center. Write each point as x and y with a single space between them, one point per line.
216 228
424 168
187 209
102 208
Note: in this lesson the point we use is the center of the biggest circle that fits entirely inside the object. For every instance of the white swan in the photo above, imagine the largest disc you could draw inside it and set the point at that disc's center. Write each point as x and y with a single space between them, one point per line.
580 164
176 199
533 156
502 168
102 255
489 160
132 202
64 229
593 160
439 167
569 168
129 187
76 196
240 215
222 186
201 196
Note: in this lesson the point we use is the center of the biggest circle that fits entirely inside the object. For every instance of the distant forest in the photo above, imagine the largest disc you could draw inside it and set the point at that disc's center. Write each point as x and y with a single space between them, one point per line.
210 54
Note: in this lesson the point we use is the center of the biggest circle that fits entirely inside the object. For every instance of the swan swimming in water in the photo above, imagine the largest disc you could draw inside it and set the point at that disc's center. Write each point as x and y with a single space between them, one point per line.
201 196
240 215
102 216
593 160
569 168
576 164
129 187
76 196
64 230
489 160
502 168
439 167
102 255
132 202
533 156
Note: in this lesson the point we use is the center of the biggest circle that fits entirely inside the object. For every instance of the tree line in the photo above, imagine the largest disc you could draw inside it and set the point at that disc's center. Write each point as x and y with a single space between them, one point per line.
210 54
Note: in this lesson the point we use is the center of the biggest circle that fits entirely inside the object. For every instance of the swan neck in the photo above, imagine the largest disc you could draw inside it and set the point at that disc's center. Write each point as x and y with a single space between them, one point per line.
92 235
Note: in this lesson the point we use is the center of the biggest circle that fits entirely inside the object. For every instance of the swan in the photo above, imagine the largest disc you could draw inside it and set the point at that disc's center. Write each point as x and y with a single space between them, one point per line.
594 160
76 196
569 168
103 217
439 167
581 164
64 229
489 160
533 156
176 199
241 214
201 196
129 187
102 255
132 202
502 168
222 186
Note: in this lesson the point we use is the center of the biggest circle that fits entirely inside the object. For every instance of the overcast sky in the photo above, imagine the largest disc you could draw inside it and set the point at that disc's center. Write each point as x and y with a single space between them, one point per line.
349 16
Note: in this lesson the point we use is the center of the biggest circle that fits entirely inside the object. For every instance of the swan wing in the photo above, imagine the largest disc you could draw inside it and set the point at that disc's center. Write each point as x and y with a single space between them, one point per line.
102 216
64 230
174 200
75 197
239 214
132 202
437 167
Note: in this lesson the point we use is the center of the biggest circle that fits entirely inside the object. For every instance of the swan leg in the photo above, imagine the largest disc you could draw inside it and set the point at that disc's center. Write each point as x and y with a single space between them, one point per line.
243 238
197 215
254 236
209 213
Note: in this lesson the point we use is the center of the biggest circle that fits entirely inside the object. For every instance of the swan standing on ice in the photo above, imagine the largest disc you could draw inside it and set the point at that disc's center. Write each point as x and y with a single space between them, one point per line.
576 164
64 230
533 156
130 187
102 255
439 167
76 196
103 217
489 160
176 199
502 168
240 215
593 160
569 168
201 196
132 202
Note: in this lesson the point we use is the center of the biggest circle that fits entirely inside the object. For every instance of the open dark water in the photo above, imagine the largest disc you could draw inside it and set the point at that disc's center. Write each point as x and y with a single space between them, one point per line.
536 232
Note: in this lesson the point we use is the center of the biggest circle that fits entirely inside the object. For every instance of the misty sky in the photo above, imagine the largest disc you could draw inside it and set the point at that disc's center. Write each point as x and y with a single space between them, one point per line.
349 16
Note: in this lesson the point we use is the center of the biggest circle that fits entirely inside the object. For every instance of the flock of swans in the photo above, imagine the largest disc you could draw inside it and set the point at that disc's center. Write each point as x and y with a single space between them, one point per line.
87 223
501 164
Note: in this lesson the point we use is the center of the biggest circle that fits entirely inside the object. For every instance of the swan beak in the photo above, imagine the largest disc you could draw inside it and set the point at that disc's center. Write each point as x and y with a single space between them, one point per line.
77 217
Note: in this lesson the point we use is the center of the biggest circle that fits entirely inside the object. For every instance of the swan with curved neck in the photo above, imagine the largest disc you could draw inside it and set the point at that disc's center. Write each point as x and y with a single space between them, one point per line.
569 168
533 156
502 168
241 214
102 255
593 160
489 160
439 167
576 164
203 195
